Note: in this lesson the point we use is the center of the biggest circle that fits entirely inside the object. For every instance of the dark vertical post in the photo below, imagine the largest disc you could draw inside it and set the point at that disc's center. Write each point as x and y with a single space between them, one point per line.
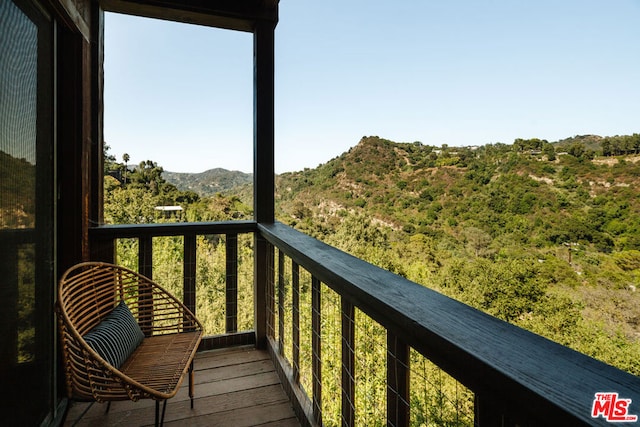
145 267
103 250
270 292
189 267
281 292
263 165
263 280
263 128
93 116
72 226
316 349
348 364
295 321
488 413
231 304
145 256
397 381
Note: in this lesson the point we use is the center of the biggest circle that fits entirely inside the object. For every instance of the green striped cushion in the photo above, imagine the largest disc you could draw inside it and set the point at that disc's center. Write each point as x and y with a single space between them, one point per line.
116 337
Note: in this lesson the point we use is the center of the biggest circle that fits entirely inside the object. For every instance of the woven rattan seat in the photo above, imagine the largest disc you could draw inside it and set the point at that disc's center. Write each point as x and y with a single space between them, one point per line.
87 293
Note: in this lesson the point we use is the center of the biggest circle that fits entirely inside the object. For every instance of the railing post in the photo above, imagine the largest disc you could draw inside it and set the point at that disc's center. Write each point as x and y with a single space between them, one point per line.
281 292
189 268
103 250
231 292
145 267
348 363
316 349
145 256
262 281
295 320
487 413
397 381
270 293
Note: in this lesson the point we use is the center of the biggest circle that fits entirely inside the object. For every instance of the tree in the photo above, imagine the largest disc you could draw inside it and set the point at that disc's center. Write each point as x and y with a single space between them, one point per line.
109 159
636 142
549 151
577 149
477 240
125 159
606 147
148 175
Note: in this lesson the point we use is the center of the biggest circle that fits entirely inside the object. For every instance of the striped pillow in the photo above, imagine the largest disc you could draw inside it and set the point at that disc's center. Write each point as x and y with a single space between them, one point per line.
116 337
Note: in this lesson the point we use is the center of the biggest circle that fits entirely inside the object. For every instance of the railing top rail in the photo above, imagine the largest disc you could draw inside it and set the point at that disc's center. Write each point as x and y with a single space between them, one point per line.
516 370
171 229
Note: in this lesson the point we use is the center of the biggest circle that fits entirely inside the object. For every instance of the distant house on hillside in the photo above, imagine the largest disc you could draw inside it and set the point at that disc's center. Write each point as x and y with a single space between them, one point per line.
170 211
117 174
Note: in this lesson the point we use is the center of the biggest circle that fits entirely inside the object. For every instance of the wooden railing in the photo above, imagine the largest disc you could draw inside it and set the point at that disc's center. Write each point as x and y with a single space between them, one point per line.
517 378
357 345
104 239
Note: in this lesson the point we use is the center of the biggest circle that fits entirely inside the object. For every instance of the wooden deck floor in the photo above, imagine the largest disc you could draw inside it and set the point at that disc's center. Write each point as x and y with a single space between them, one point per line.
233 387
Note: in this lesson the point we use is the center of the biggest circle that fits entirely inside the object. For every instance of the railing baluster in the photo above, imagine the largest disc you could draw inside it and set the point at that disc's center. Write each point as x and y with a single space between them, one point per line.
281 292
270 292
189 272
263 280
397 381
348 364
145 256
316 346
231 303
104 250
295 320
145 267
486 414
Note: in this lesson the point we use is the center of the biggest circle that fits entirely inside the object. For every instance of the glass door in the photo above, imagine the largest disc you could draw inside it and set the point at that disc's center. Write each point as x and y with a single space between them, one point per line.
27 232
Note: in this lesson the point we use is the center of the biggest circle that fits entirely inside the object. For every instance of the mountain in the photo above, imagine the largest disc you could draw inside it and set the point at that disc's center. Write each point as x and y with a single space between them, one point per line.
209 182
591 142
546 240
419 188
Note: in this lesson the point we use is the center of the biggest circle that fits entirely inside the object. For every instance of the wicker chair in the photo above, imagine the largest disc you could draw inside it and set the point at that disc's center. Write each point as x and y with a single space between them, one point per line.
88 292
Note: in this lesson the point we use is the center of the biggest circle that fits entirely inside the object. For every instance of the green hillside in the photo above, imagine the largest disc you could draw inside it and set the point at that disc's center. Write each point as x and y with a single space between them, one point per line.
133 194
209 182
548 241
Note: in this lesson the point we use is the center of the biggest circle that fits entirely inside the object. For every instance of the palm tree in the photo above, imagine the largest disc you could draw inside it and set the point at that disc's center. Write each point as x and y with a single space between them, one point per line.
125 158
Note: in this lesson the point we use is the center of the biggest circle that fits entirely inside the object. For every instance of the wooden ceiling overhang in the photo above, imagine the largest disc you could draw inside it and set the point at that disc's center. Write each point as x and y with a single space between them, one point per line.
241 15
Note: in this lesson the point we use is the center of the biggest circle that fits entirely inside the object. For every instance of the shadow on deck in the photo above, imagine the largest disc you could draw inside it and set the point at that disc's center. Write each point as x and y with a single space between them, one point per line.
233 387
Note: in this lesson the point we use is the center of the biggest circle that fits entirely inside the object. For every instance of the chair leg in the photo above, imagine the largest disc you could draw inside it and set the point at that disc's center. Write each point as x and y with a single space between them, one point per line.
160 419
108 407
191 383
164 408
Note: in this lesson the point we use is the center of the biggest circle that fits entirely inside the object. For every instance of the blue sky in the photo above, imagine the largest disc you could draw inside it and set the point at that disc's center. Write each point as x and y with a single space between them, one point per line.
455 72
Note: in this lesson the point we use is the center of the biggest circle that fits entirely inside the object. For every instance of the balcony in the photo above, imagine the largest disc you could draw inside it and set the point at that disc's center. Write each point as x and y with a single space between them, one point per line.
350 343
234 387
353 344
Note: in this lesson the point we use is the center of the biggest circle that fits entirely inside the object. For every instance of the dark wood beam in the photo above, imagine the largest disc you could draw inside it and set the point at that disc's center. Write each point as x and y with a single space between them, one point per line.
241 15
263 127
